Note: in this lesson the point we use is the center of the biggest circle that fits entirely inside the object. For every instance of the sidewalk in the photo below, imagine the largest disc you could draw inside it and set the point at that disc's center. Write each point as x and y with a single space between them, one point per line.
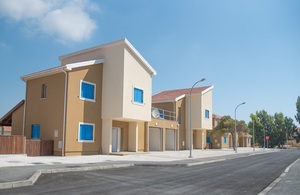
20 170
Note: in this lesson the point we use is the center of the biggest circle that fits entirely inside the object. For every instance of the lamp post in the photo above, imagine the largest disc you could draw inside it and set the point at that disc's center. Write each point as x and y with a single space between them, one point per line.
235 125
191 132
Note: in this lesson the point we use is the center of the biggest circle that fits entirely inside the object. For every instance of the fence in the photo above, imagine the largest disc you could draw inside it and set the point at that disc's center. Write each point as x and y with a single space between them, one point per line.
12 144
19 145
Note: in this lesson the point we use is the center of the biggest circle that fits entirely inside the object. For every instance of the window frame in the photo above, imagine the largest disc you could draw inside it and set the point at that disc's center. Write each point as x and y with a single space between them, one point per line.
80 91
206 114
79 132
133 96
44 91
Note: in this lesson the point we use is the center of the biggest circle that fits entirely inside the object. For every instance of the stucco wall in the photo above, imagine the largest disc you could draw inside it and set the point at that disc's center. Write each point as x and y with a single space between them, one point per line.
47 112
206 101
79 110
17 121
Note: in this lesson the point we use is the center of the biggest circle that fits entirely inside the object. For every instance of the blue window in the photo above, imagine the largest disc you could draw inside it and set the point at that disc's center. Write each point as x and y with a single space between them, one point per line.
35 131
225 140
207 114
208 140
87 91
138 96
86 132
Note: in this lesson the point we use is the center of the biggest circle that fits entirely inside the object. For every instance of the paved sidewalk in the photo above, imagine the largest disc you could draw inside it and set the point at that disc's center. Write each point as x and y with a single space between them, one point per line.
20 170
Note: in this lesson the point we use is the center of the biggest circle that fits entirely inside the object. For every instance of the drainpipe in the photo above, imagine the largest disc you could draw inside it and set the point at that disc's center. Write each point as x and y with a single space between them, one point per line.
65 110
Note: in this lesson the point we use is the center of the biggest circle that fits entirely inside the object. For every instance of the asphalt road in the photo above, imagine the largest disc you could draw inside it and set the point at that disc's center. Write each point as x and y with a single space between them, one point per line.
247 175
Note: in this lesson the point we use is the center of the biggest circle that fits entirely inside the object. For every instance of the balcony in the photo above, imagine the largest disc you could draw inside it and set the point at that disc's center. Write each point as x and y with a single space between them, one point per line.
163 114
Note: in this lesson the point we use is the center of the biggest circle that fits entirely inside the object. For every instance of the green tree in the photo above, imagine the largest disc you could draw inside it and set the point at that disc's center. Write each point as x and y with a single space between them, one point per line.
258 129
267 122
290 128
226 125
297 116
278 133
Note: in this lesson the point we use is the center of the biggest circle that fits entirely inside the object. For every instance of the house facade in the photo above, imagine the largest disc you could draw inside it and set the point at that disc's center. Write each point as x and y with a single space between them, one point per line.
178 102
219 141
98 101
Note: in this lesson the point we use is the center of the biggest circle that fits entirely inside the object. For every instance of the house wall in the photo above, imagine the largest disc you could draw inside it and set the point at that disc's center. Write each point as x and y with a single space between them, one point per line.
83 111
47 112
142 136
17 121
182 122
206 103
169 106
136 75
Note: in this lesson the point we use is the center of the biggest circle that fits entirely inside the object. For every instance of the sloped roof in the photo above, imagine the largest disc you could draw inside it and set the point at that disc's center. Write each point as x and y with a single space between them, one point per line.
111 44
6 119
174 95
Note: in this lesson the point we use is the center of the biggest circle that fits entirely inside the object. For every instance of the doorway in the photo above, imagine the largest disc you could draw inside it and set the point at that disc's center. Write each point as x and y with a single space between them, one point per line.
116 139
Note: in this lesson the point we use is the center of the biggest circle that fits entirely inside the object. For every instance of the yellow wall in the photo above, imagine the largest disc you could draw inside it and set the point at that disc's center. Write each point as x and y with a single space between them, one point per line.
124 133
17 121
83 111
47 112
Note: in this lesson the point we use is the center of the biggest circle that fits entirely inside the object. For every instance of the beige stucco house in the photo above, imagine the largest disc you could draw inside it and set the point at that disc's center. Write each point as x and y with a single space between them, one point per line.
177 104
219 141
98 101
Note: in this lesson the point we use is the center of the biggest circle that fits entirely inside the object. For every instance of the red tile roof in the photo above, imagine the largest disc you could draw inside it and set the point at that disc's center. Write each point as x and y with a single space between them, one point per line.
171 95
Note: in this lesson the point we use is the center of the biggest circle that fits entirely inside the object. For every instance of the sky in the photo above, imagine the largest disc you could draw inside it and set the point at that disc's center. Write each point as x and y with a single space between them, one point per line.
248 50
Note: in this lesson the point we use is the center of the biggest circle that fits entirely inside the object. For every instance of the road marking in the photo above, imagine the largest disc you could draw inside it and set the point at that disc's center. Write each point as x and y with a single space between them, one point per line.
267 189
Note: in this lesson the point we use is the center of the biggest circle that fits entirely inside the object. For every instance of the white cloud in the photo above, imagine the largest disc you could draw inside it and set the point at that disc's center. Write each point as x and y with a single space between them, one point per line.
64 20
69 24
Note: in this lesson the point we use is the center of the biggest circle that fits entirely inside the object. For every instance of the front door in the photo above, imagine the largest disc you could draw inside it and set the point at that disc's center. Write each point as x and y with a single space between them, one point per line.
116 139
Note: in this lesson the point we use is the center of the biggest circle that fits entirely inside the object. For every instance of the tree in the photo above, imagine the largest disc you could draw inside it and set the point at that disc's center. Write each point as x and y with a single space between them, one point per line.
267 122
226 125
297 116
290 128
278 135
258 129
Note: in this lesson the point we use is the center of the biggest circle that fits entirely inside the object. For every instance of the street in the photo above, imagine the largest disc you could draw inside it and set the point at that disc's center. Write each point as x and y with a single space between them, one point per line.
246 175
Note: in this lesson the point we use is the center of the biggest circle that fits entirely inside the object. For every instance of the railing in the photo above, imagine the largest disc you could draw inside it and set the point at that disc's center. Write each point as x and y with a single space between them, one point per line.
163 114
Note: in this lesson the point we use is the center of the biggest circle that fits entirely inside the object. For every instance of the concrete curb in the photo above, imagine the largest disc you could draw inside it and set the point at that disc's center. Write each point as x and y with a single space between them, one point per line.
38 173
267 189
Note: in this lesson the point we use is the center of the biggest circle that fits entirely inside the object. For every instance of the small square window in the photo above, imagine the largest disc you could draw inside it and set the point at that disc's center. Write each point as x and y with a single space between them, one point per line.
207 114
87 91
138 96
86 132
44 91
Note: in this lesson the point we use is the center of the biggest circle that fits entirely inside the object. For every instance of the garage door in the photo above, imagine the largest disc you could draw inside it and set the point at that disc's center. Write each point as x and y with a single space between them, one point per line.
155 139
170 139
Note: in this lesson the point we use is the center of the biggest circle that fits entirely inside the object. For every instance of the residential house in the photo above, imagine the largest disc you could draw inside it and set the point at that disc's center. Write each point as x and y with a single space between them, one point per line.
12 122
98 101
219 141
177 104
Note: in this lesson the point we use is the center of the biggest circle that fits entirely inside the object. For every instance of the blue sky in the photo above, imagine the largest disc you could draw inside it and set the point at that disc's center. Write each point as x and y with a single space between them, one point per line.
249 50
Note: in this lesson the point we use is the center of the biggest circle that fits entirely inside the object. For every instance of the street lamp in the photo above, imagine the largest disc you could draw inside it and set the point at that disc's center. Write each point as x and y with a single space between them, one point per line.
235 125
191 132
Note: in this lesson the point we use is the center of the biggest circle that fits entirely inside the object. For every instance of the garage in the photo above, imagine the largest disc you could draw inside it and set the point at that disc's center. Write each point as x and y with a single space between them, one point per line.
155 139
171 139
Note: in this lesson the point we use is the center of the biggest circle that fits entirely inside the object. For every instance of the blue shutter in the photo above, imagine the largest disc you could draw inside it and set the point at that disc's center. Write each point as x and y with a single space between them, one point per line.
224 140
87 91
86 132
35 131
208 140
138 95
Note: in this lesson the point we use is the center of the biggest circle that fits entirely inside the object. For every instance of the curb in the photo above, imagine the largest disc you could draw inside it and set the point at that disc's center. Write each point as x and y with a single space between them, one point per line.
276 181
38 173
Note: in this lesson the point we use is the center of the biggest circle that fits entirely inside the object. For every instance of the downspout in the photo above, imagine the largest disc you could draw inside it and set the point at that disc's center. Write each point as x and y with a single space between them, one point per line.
65 110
